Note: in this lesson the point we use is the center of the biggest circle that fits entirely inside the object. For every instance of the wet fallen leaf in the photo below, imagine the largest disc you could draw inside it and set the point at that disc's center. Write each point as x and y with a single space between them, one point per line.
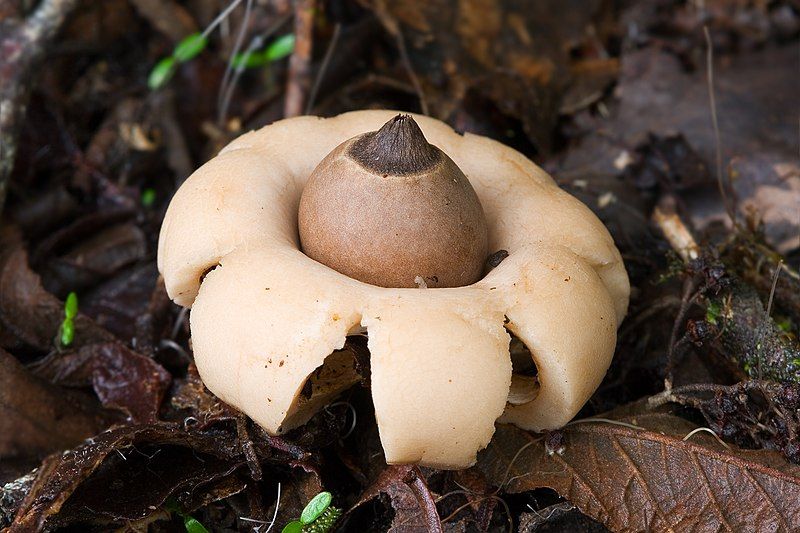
132 482
61 475
29 314
296 491
559 518
648 478
37 417
413 503
121 378
121 304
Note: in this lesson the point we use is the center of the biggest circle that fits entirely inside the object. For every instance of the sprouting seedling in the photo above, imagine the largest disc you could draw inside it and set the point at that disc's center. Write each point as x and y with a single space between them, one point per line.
67 328
317 517
278 49
186 50
192 45
191 524
148 197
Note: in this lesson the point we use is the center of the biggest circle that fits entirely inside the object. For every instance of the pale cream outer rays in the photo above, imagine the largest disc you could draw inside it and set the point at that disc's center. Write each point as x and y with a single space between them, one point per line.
267 316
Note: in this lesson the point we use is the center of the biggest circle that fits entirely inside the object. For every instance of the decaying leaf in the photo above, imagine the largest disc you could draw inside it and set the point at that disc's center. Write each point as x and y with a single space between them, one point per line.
517 55
647 478
296 491
121 378
758 145
413 503
205 455
29 314
753 414
37 417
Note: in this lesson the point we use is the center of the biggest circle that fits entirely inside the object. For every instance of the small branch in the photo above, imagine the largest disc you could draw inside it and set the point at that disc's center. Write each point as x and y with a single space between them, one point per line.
23 47
391 25
299 81
730 207
337 30
677 234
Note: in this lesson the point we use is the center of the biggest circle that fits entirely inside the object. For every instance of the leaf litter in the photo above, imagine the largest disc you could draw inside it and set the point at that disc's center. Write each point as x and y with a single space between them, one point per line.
610 97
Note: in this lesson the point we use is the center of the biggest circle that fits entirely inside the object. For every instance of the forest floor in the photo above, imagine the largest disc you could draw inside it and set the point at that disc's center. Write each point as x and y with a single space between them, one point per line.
677 122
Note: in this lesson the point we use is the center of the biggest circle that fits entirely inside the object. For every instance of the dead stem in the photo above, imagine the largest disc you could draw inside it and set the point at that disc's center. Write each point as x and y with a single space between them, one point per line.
337 31
775 277
729 209
393 28
31 38
299 78
706 430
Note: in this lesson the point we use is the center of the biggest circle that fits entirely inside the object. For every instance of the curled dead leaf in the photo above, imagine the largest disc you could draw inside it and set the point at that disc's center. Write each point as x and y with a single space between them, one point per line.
638 474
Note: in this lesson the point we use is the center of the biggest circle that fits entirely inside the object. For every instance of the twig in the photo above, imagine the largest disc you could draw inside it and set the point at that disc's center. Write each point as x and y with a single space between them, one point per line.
226 78
686 302
337 30
248 448
705 430
715 123
221 17
671 396
401 45
677 234
393 28
774 285
24 45
299 79
255 44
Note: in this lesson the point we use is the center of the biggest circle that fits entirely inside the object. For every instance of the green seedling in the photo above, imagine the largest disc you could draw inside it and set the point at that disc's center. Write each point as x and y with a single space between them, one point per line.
190 47
186 50
280 48
317 517
191 524
161 73
67 328
148 197
194 44
712 313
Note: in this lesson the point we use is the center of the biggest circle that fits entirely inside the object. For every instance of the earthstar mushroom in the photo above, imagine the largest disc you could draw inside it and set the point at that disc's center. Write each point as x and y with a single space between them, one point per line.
267 317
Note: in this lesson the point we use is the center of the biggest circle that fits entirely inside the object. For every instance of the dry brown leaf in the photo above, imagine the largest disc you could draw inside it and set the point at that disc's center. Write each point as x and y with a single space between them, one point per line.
649 479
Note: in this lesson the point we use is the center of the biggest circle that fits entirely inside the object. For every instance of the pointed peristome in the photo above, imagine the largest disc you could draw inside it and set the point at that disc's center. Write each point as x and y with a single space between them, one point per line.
399 148
388 208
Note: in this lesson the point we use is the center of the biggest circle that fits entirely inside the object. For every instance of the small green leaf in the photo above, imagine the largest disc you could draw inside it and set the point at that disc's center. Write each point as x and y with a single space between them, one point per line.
316 507
252 60
67 332
712 313
325 522
189 47
148 197
161 73
193 526
71 305
281 47
295 526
